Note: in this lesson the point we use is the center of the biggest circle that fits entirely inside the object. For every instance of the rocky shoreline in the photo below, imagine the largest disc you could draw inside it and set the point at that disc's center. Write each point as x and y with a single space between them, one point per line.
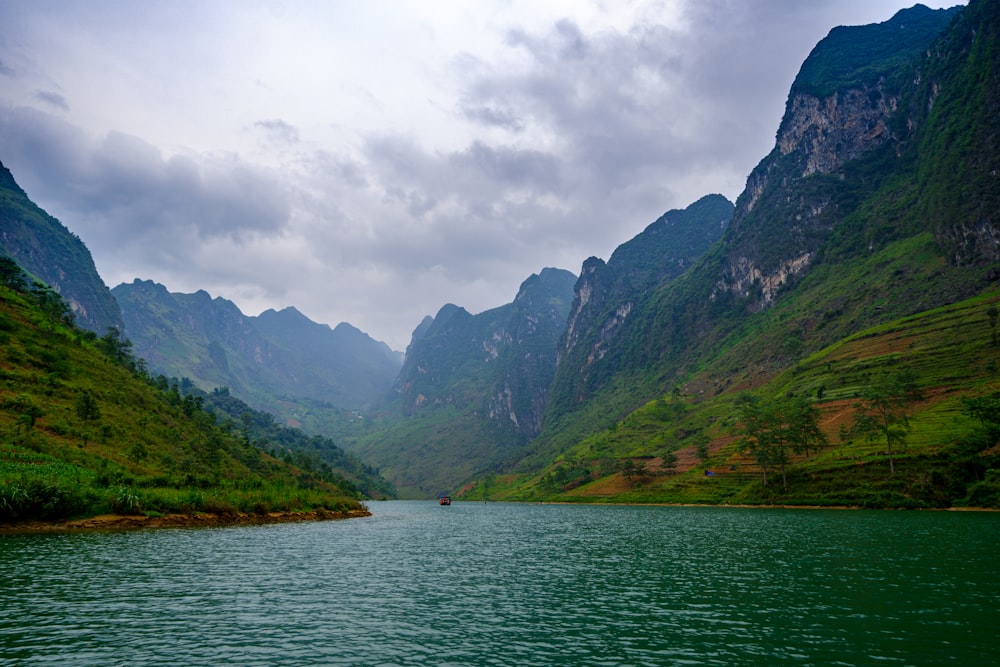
115 522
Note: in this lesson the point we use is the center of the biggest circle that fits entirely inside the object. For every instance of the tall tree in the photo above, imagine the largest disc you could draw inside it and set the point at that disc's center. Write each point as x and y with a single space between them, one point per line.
772 429
884 409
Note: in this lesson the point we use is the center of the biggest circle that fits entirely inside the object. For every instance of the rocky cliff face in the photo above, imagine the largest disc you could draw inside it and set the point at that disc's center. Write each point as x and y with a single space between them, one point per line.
844 105
607 295
498 363
817 137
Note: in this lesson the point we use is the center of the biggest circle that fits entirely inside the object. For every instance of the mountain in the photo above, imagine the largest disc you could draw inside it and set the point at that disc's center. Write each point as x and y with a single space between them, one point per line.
84 431
606 296
475 390
45 248
472 390
279 361
876 208
313 453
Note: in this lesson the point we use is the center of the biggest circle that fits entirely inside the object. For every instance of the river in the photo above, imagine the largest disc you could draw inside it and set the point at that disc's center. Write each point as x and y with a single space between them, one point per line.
512 584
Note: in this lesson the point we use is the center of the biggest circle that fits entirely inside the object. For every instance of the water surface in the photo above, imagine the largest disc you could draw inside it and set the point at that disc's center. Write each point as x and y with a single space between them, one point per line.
508 584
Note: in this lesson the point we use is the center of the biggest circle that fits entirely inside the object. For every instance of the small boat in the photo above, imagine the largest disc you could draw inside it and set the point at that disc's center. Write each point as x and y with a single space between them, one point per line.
444 500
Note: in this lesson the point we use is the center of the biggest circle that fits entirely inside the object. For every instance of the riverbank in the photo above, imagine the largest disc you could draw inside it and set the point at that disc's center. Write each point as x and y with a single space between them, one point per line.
114 522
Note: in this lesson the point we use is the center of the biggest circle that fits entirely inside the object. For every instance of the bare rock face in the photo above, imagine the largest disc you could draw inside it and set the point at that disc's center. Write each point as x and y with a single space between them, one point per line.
818 136
826 133
496 365
853 100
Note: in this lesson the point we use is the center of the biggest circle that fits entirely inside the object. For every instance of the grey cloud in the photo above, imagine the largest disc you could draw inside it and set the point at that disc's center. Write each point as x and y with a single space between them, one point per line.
279 131
5 70
53 99
565 42
494 115
127 201
509 165
472 215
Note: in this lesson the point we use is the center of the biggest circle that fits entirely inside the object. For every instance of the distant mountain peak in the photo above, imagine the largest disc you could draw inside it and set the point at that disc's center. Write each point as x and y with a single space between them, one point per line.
270 361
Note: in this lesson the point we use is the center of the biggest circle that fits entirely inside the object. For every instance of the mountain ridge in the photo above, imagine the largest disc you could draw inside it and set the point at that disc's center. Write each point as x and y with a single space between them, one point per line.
47 249
830 237
279 361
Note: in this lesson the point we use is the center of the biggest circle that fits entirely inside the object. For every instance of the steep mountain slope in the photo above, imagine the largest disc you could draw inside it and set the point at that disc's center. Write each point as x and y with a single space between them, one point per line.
312 453
281 362
839 184
607 296
849 223
43 247
472 390
84 431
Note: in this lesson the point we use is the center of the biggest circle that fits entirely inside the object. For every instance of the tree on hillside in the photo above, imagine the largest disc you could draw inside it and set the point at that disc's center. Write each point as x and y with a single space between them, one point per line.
986 409
884 409
668 462
117 347
772 429
87 408
11 275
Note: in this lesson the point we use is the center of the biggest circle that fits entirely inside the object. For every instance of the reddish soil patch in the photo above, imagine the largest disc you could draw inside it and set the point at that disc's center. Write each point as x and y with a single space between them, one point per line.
202 520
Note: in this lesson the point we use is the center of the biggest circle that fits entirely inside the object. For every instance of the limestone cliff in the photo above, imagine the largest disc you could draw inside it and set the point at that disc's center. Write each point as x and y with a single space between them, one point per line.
607 295
845 104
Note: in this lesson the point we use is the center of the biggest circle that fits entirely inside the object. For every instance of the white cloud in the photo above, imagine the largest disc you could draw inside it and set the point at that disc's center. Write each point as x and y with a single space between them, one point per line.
369 162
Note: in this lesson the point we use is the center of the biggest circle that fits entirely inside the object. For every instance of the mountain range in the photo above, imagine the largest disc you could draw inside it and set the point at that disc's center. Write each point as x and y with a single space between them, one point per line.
865 244
280 361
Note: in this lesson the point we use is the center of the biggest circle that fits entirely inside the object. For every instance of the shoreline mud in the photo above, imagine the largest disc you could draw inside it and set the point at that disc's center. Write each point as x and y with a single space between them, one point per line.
119 522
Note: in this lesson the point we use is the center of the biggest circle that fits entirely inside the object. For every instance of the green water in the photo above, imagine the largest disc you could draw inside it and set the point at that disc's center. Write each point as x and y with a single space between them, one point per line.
503 584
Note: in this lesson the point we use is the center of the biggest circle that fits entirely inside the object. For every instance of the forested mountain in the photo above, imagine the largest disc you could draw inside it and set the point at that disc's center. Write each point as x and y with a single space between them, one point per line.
608 295
280 361
472 390
877 205
835 329
313 453
841 182
43 247
85 431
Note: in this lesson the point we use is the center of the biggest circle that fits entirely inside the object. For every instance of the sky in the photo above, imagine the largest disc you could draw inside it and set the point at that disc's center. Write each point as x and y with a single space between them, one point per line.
370 161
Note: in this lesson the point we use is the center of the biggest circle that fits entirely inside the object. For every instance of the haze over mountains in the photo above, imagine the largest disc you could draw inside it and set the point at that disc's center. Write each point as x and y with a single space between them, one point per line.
280 361
878 202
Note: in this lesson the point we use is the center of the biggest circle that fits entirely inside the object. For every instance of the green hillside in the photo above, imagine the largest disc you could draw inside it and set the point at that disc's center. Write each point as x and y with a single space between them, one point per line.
948 453
84 431
50 253
874 213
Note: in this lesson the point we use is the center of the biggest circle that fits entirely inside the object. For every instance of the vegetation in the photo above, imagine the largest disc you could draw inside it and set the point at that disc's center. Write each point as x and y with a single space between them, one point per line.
883 411
896 292
851 56
774 430
51 255
841 333
315 454
84 430
938 372
472 391
311 376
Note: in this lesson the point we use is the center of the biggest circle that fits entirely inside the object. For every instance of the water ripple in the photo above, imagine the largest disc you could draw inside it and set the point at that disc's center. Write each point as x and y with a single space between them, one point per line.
497 584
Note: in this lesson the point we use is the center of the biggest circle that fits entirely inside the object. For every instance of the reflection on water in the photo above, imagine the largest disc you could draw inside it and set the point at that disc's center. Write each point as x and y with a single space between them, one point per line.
502 584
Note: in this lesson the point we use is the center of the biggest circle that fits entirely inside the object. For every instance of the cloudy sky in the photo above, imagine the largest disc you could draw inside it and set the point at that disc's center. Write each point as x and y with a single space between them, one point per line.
369 161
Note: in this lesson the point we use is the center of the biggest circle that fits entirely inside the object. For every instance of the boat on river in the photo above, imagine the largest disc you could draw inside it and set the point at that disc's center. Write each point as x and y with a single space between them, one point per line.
444 500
